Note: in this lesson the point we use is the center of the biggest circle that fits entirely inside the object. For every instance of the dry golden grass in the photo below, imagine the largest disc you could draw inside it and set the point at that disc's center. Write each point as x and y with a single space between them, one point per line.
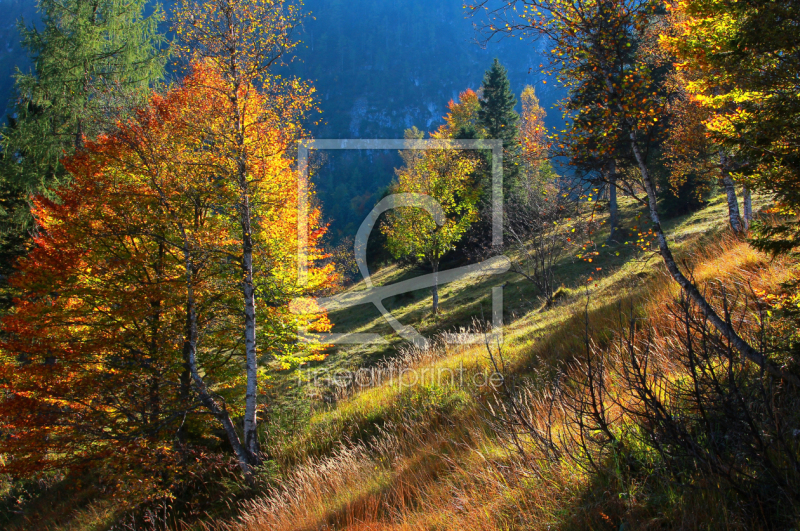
424 456
448 469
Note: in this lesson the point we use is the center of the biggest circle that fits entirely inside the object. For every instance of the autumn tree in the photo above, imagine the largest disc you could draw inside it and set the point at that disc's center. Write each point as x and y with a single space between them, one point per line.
743 63
242 40
532 134
273 117
90 362
195 167
595 53
446 176
461 121
90 370
690 153
535 168
129 337
535 214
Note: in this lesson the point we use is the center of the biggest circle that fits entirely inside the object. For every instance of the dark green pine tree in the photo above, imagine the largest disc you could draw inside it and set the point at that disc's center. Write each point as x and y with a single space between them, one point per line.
499 120
91 59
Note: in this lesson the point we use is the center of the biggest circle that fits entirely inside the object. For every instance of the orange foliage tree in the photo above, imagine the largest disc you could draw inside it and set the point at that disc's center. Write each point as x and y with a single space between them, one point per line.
127 339
462 119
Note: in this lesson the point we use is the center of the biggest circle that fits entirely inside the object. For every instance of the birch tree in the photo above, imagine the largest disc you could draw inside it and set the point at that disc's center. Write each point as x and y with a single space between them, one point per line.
243 40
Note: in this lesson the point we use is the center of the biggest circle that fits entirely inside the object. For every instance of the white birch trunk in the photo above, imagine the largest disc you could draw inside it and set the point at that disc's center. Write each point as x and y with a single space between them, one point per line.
734 218
249 293
251 364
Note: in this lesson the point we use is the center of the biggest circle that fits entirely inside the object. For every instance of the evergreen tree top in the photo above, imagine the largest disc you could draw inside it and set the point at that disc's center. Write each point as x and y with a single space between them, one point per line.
90 59
496 114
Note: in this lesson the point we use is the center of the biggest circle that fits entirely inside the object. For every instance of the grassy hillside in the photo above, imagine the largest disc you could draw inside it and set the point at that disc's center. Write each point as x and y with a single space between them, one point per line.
432 441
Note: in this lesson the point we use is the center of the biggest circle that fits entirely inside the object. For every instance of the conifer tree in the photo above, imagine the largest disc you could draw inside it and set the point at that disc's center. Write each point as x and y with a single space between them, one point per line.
89 58
498 119
496 113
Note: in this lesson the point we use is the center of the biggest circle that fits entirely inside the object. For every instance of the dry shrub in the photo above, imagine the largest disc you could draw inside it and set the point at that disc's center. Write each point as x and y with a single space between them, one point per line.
669 410
447 473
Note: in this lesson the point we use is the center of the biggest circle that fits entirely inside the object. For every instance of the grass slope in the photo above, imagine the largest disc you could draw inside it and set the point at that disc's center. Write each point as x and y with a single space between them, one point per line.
416 451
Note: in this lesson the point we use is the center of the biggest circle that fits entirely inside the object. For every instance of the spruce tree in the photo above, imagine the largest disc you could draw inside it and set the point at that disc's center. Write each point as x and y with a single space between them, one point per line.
90 59
499 120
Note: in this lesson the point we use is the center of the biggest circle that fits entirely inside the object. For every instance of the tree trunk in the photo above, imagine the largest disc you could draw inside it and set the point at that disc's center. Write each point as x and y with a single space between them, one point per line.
79 135
748 207
613 208
730 191
692 292
251 364
435 265
248 291
185 379
155 404
219 411
155 337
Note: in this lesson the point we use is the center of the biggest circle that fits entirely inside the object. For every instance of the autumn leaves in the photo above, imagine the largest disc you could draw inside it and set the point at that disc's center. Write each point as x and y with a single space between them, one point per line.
169 263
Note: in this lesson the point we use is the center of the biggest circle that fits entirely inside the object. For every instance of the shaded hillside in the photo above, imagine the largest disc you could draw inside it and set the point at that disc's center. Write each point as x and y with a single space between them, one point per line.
12 55
378 68
382 67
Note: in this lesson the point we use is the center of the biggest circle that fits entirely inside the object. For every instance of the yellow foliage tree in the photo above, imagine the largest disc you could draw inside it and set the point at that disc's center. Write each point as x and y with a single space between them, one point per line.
446 176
